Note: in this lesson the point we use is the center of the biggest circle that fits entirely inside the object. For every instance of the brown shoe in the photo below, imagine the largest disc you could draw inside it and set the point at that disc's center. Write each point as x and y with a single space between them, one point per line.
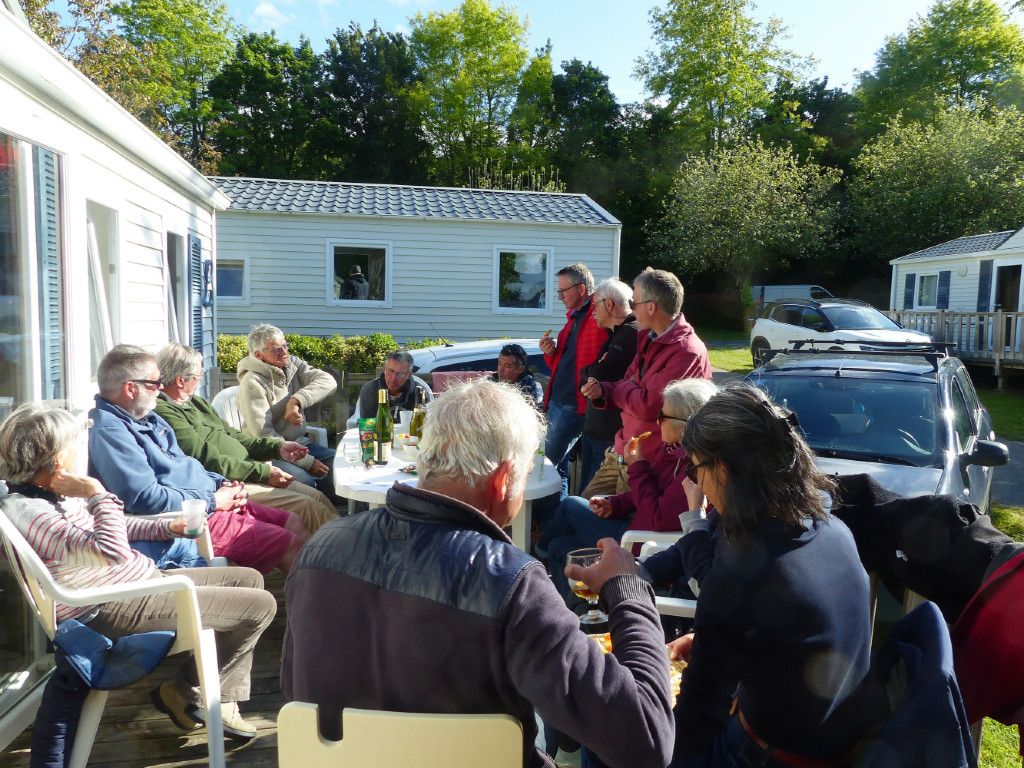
167 699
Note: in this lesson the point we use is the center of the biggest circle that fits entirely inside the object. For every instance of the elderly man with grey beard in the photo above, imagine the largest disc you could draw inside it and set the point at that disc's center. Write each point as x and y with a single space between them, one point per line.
426 605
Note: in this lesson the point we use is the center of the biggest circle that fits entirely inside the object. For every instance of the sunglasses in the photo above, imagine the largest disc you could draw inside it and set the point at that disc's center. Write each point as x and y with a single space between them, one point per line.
691 470
148 383
635 304
662 416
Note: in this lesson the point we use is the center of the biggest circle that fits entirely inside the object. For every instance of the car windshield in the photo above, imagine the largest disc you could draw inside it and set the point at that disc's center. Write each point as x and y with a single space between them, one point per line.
858 319
868 419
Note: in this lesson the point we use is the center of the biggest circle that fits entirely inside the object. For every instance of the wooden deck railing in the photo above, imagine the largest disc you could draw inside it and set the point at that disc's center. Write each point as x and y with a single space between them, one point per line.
982 337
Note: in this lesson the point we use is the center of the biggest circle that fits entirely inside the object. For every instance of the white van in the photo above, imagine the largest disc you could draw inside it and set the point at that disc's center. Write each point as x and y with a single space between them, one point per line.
763 294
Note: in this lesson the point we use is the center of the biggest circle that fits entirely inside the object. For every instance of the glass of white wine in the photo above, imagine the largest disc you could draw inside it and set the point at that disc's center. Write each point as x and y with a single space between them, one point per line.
585 558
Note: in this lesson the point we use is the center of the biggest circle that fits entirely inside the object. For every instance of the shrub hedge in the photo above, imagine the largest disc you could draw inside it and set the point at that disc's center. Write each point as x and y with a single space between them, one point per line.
353 353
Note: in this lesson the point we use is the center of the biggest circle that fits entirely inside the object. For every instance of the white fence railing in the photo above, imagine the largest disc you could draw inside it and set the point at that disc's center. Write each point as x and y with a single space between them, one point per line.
996 337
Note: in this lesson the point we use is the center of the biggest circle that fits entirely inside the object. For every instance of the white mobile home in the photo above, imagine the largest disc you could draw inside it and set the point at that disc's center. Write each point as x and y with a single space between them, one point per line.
104 238
979 273
460 263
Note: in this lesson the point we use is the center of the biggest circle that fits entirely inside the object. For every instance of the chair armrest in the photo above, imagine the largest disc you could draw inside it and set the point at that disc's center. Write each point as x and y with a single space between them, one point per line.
317 434
650 540
675 606
111 592
204 543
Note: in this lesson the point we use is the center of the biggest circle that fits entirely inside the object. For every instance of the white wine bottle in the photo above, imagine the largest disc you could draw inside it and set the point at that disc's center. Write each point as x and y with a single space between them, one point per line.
384 428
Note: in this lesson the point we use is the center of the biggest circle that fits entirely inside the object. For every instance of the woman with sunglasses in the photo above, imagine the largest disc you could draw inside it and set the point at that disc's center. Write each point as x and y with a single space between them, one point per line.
782 630
656 497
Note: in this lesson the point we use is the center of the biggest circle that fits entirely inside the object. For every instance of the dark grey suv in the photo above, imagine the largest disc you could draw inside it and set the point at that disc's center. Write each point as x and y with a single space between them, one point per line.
911 420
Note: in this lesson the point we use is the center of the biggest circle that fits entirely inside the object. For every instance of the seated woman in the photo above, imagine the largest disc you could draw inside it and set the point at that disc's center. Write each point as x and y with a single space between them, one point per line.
82 534
657 496
783 623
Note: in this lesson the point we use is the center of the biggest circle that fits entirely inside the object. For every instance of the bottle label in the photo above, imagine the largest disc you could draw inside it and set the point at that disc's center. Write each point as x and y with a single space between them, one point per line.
383 453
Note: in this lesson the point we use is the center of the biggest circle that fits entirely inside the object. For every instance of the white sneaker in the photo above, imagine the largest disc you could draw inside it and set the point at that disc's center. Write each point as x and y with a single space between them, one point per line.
235 727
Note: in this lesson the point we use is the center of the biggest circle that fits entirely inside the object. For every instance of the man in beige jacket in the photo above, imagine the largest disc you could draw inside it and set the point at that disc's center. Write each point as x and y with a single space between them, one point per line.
274 388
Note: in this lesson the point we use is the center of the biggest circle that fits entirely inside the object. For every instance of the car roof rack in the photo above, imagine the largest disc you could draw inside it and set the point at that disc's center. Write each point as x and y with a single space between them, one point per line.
932 351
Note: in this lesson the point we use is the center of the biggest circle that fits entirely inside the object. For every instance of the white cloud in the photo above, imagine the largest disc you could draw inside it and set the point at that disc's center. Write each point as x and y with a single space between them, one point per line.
267 15
402 29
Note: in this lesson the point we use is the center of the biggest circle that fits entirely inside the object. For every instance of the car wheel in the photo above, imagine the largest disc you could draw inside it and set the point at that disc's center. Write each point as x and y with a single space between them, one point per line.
758 351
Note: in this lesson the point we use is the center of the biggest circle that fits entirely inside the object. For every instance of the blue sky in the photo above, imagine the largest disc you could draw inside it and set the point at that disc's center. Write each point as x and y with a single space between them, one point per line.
843 36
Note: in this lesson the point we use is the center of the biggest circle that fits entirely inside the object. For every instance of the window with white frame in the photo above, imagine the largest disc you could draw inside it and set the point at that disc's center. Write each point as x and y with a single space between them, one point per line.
232 281
927 291
359 272
522 279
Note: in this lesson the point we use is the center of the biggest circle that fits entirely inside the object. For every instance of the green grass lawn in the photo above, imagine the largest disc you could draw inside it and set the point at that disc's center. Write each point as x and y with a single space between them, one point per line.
1000 744
734 359
1007 409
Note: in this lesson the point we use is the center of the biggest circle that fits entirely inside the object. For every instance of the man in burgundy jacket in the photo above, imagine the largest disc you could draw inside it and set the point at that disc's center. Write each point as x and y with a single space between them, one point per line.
667 349
577 345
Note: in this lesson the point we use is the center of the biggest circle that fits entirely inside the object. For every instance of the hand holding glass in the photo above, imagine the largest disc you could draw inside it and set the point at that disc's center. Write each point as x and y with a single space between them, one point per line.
194 511
586 558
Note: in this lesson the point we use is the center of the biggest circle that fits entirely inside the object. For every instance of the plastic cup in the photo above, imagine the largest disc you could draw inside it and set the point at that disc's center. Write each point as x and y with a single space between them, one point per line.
194 511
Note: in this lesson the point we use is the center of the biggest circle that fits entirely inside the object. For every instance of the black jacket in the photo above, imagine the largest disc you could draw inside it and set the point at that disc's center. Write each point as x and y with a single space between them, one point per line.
615 356
426 606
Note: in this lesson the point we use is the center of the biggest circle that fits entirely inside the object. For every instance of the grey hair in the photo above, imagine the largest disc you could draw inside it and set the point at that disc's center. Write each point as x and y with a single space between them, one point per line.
661 287
260 335
579 273
686 396
122 364
32 438
400 356
475 426
616 290
177 360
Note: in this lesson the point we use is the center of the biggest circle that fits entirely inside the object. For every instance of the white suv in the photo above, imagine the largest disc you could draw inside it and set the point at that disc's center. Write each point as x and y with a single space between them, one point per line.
849 320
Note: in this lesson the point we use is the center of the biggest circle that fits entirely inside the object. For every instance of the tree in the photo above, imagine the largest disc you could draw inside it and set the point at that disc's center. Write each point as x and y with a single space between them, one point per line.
920 185
183 44
265 107
531 125
744 208
371 130
470 62
964 53
714 65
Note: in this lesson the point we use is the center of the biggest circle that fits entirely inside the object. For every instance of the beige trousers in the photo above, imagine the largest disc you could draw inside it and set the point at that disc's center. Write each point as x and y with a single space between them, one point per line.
304 500
610 478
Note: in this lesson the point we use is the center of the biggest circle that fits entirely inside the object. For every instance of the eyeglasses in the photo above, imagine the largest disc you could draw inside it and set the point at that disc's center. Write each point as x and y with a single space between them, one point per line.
561 293
149 383
197 375
691 471
278 350
634 304
662 416
397 374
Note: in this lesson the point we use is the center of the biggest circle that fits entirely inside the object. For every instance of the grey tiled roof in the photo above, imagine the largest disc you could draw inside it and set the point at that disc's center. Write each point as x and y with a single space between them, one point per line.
970 244
343 198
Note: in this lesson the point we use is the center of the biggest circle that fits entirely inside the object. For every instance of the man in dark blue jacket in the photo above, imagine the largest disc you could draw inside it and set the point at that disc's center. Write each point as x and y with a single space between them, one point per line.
425 605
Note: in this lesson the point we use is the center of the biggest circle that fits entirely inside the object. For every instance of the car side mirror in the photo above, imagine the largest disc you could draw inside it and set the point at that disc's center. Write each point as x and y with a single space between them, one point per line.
986 453
818 327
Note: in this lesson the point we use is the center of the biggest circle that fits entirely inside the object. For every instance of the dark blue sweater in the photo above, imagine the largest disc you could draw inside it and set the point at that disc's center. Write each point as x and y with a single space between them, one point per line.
786 618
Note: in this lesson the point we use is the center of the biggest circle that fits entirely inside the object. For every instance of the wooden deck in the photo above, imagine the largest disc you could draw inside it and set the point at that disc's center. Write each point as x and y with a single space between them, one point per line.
133 734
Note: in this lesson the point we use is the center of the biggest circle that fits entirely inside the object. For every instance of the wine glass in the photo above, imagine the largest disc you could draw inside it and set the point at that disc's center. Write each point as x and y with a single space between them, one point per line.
585 558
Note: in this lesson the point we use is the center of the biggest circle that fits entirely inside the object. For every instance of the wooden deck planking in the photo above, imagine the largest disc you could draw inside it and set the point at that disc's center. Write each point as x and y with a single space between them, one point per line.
134 734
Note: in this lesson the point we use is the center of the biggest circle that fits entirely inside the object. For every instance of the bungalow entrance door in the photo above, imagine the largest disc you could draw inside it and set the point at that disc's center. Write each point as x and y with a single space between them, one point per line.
1008 299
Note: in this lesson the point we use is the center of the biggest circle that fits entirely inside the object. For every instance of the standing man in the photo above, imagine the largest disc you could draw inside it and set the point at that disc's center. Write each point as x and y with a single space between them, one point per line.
220 448
401 385
512 370
577 346
273 390
600 425
425 605
356 286
669 350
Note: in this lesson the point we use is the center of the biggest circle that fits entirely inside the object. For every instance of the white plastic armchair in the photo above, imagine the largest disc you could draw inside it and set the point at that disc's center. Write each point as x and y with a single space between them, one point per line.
652 541
42 594
398 740
224 403
203 543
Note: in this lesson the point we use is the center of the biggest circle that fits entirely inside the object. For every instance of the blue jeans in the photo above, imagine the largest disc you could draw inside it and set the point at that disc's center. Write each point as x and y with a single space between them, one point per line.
591 456
732 748
564 428
324 484
575 526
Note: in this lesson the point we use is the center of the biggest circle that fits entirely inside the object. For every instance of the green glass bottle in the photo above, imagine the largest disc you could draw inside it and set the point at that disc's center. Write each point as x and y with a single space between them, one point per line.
384 428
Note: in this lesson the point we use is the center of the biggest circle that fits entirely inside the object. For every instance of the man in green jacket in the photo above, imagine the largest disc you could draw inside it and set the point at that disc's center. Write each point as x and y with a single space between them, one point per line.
220 448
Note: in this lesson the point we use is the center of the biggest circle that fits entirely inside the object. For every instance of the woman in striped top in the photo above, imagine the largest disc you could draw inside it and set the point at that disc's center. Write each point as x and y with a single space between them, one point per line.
82 534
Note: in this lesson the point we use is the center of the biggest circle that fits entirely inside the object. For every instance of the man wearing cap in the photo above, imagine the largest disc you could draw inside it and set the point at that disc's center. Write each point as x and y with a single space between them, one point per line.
512 370
355 286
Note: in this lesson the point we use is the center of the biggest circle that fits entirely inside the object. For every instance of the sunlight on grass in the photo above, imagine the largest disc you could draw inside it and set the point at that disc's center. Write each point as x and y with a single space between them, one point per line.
734 359
1007 409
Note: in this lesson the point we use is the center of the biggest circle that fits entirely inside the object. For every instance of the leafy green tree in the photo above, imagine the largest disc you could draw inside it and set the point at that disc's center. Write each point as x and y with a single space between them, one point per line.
713 65
265 107
745 208
371 128
963 53
470 62
183 44
531 124
916 185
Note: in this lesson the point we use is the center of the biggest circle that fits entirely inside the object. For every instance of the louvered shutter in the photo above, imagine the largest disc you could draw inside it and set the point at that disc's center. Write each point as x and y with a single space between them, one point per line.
51 304
942 299
195 291
984 285
908 291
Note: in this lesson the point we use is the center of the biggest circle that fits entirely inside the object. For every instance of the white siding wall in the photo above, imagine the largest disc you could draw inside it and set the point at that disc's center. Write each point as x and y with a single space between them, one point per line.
963 289
443 273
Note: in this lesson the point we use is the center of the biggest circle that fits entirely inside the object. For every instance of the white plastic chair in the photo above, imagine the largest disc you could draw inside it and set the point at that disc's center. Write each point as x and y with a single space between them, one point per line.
652 541
224 403
42 594
204 543
398 740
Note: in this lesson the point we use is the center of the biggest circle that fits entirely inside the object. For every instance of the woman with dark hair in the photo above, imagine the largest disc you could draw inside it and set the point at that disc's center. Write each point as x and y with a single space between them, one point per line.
782 629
